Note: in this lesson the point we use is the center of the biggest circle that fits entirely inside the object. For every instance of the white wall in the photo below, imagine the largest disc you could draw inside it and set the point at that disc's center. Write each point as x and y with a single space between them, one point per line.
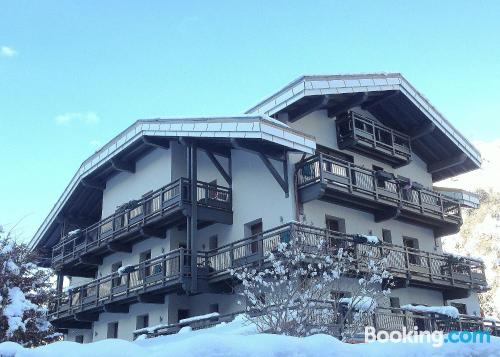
152 172
256 195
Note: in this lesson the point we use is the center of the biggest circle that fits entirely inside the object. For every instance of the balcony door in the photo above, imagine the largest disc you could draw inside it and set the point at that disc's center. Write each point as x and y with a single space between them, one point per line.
412 244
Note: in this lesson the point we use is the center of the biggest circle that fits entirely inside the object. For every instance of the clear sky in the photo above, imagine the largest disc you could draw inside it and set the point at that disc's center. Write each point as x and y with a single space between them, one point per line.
75 73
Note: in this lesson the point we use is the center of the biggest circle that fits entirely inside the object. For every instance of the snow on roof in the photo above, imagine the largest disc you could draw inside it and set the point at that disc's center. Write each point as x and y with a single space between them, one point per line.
238 127
450 311
362 82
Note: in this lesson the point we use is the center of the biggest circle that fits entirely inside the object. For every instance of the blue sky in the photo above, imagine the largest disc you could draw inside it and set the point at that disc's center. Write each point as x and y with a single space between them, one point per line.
74 74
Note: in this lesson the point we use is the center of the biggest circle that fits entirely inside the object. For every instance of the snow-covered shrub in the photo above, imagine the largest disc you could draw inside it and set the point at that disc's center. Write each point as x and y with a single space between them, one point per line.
294 291
25 291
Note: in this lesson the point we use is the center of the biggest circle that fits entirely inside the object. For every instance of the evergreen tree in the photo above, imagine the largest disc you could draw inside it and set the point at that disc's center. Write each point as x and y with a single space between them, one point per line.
25 292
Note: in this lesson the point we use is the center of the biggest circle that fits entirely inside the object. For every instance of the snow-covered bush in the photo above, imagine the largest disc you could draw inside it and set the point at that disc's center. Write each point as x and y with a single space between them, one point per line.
297 290
25 290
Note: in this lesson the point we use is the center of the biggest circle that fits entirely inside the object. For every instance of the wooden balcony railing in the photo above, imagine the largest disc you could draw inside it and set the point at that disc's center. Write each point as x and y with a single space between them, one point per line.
138 214
357 132
438 270
376 186
384 319
158 273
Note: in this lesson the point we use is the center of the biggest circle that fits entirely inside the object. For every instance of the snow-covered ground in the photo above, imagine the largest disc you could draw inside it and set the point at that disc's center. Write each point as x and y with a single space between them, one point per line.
239 338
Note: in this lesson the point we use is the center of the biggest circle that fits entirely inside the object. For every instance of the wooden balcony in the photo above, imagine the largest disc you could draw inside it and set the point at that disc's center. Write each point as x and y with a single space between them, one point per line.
147 282
384 319
151 280
80 251
454 276
357 133
331 179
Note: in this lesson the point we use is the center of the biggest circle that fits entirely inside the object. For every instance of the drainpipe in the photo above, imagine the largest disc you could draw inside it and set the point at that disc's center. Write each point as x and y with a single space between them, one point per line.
295 188
194 216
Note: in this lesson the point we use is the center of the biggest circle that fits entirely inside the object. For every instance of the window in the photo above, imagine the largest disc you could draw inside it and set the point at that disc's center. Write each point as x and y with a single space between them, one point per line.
114 268
386 236
113 330
462 308
142 321
79 338
394 301
213 242
145 270
182 314
253 229
183 245
412 245
213 308
335 224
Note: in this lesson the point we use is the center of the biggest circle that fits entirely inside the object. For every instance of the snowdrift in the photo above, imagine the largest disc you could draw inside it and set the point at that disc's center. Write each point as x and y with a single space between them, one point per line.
239 338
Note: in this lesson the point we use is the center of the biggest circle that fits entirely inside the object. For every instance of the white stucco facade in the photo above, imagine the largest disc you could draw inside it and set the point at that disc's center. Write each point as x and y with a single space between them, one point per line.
256 195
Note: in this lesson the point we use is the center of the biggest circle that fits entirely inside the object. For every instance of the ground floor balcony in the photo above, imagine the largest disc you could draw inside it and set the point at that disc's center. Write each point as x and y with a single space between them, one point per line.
80 251
357 133
384 319
382 193
150 281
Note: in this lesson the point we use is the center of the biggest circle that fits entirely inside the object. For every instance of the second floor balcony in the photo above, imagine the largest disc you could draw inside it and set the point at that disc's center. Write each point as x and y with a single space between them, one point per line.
382 193
150 280
81 250
358 133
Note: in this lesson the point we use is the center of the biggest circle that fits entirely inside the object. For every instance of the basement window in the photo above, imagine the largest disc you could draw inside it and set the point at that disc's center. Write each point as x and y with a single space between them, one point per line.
112 330
142 321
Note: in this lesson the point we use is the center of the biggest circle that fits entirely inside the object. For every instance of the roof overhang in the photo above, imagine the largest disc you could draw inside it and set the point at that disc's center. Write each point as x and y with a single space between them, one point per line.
85 188
393 101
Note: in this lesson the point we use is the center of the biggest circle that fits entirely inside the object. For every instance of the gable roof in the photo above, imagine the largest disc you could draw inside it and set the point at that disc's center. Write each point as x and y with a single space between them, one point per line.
247 127
404 112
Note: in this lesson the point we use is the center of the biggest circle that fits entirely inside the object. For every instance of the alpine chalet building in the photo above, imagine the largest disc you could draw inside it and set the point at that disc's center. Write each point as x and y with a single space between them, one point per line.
149 227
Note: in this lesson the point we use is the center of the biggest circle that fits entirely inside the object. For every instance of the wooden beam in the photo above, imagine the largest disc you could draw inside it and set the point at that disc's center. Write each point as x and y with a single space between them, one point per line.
151 299
388 213
219 167
72 324
422 131
383 98
282 181
79 273
447 163
93 184
86 316
255 149
117 247
91 260
115 308
123 166
312 106
343 107
152 141
148 232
